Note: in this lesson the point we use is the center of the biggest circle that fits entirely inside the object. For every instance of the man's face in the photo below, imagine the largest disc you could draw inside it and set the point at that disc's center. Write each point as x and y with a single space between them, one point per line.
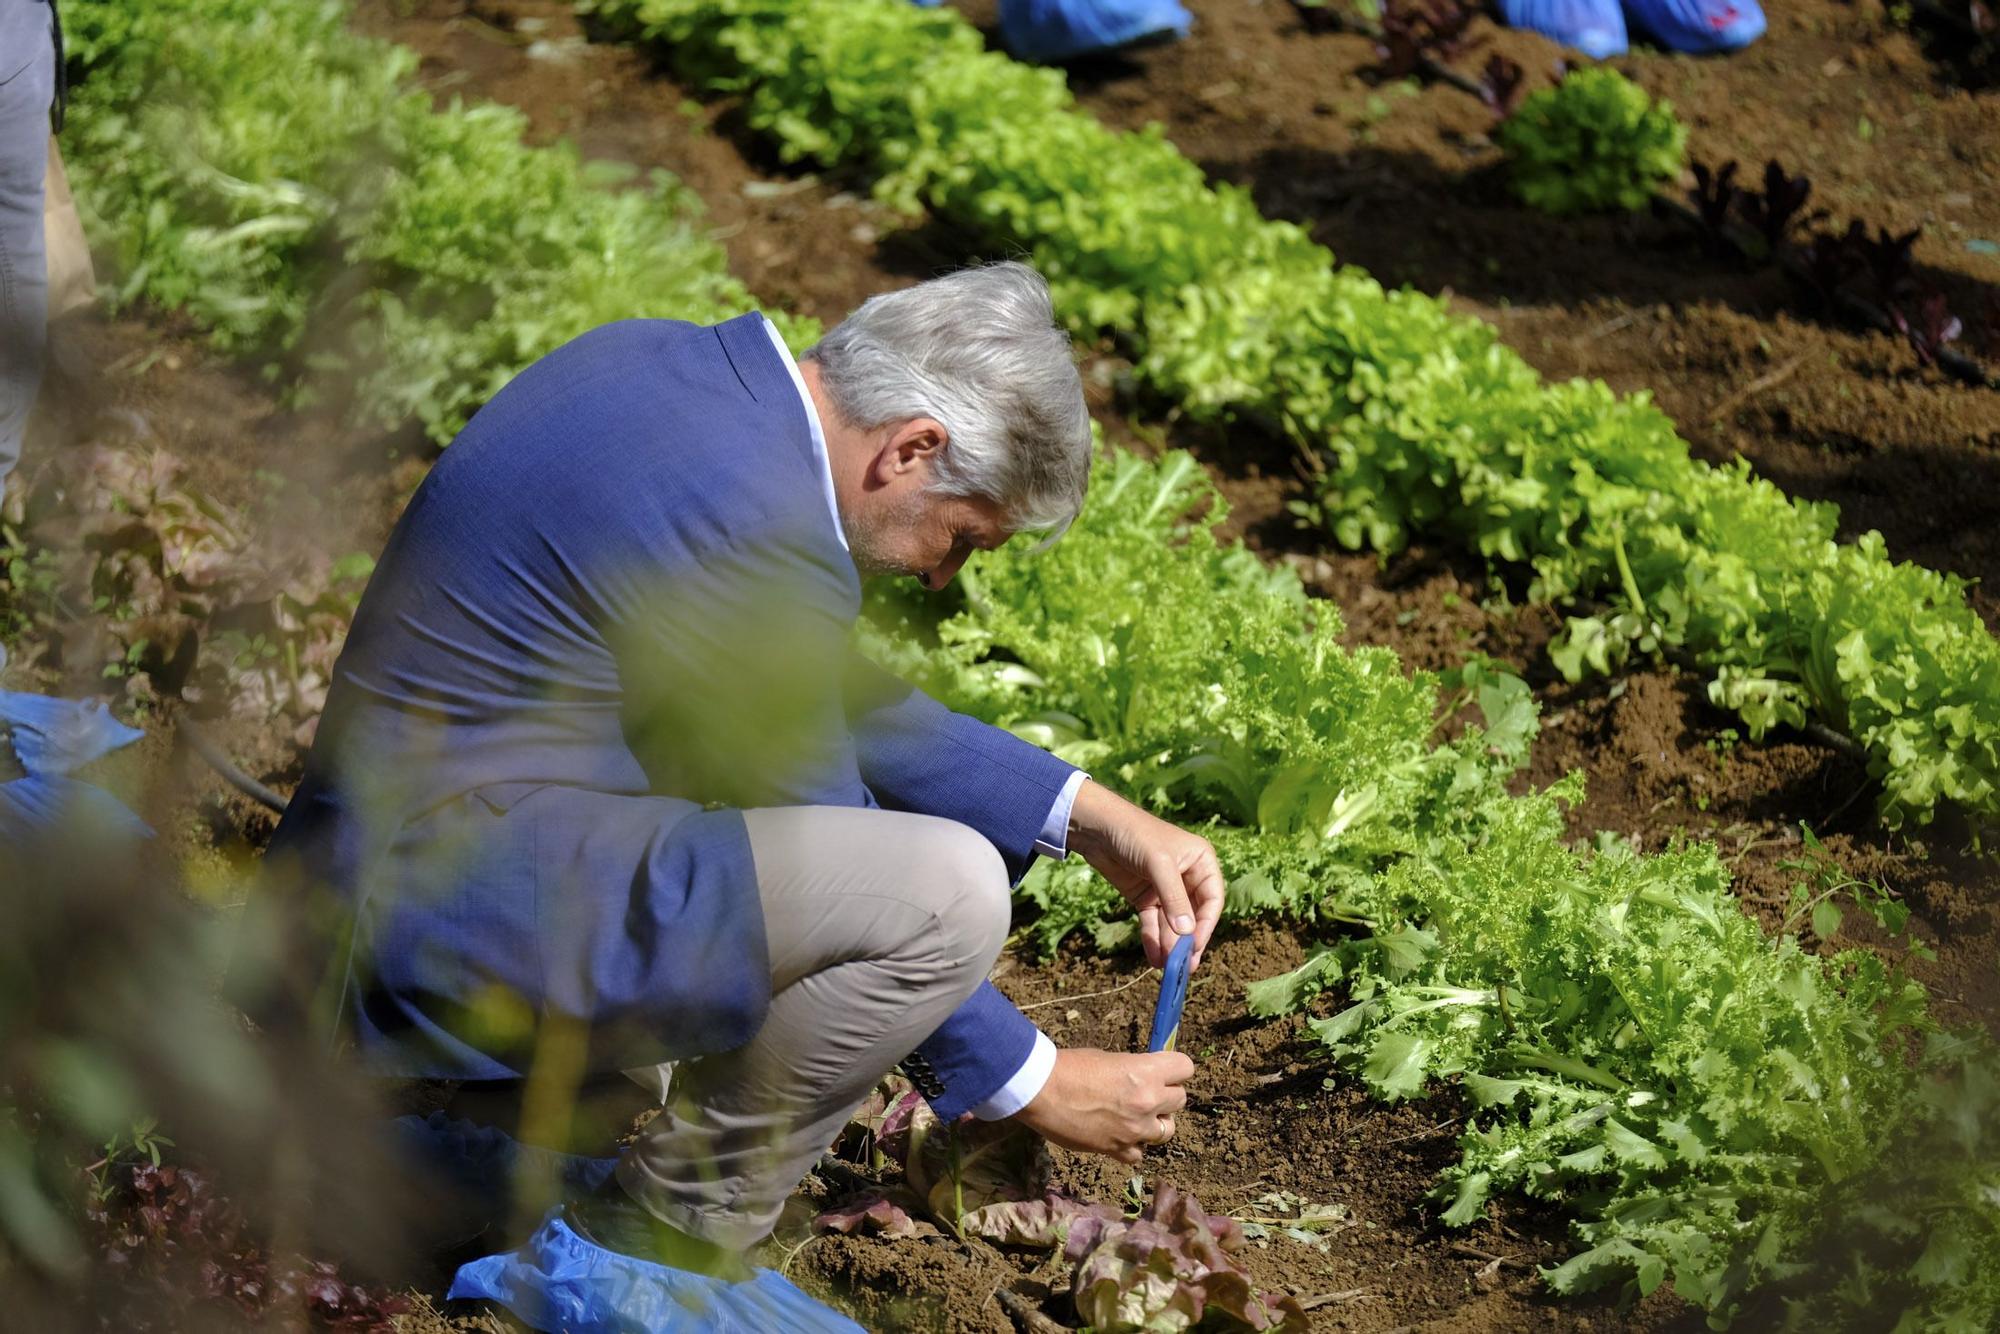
920 533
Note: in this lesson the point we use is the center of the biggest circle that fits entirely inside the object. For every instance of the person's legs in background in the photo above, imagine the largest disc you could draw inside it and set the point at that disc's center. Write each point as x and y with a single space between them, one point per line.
1594 27
27 91
880 924
1050 30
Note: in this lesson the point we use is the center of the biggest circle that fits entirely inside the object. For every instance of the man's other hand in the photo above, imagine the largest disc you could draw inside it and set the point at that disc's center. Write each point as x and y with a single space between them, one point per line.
1113 1103
1167 874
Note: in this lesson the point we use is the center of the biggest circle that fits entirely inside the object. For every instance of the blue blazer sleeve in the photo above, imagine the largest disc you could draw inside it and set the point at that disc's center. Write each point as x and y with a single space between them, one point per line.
917 755
977 1049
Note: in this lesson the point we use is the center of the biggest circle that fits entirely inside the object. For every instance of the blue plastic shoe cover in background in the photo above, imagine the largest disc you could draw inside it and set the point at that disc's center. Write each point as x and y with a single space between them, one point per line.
30 807
1062 29
51 738
560 1282
58 736
1698 27
1594 27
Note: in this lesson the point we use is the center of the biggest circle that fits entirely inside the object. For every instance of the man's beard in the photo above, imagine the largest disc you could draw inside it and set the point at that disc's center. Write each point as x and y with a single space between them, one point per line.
872 542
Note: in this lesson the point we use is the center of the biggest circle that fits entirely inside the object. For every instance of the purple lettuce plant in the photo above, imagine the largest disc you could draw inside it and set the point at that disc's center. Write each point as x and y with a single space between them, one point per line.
1778 210
887 1211
1169 1269
1879 268
1890 257
987 1179
1714 198
1929 328
177 1254
1414 31
1502 84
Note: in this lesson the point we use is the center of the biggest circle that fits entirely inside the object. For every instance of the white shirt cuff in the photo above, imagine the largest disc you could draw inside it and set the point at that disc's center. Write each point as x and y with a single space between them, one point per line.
1054 840
1019 1091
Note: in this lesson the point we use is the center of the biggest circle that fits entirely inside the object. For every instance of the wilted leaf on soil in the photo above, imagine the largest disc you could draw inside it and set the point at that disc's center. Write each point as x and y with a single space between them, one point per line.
890 1212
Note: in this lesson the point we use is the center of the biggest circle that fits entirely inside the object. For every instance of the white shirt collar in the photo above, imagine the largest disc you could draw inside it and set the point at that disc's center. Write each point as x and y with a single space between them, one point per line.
812 422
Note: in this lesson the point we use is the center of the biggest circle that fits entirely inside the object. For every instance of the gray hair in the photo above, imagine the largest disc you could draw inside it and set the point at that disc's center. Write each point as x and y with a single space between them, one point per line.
979 351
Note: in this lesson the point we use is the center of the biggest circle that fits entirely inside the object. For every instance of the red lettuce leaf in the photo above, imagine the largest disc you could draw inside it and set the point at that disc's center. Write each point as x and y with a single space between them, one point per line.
886 1211
1168 1269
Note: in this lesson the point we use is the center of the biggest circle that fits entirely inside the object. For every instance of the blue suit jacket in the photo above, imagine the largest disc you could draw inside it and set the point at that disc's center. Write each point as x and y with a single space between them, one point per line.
615 614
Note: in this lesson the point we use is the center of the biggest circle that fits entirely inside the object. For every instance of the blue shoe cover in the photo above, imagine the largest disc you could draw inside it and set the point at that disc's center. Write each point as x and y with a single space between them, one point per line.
1063 29
1698 27
558 1282
35 806
52 737
56 736
1594 27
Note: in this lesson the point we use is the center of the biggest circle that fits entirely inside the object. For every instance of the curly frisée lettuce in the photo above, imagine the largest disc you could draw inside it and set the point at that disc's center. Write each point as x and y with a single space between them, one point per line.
1594 141
1699 1096
1181 671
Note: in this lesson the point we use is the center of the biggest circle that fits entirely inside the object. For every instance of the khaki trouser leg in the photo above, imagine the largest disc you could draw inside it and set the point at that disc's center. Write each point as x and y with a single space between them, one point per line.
72 277
880 925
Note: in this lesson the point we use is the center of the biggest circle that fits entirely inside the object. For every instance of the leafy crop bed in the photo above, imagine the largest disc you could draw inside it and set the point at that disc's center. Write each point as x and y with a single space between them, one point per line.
1637 1057
1414 420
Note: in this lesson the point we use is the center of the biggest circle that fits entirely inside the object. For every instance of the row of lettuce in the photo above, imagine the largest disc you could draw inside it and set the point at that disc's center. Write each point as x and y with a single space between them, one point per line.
1418 420
275 175
1785 1136
1711 1105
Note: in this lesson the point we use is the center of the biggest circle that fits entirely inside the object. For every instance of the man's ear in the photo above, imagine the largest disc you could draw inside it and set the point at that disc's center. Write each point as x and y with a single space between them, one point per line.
915 444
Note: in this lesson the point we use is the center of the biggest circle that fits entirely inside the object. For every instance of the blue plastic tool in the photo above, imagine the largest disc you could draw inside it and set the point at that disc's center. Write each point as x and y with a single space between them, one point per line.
1173 996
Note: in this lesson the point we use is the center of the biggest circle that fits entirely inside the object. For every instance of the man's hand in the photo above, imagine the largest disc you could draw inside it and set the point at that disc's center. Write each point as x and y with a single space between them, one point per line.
1167 874
1113 1103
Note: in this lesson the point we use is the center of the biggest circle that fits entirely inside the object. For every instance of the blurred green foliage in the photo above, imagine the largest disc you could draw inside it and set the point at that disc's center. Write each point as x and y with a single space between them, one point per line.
275 174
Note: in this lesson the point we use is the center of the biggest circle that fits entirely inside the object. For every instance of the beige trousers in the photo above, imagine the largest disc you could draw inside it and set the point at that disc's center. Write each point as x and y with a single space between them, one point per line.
880 925
72 279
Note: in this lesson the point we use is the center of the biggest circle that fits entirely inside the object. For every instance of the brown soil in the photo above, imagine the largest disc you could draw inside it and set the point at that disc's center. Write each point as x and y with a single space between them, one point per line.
1260 1119
1403 181
148 380
1259 100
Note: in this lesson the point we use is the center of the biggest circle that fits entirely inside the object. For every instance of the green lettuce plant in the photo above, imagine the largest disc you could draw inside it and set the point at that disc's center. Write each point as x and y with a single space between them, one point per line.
1712 1105
1593 141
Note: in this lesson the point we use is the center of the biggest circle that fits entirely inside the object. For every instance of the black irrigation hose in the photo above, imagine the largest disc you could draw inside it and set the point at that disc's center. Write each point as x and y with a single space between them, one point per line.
224 766
1838 742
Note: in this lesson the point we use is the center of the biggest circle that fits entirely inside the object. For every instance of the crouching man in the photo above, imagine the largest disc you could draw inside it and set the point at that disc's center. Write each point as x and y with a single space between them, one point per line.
600 785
